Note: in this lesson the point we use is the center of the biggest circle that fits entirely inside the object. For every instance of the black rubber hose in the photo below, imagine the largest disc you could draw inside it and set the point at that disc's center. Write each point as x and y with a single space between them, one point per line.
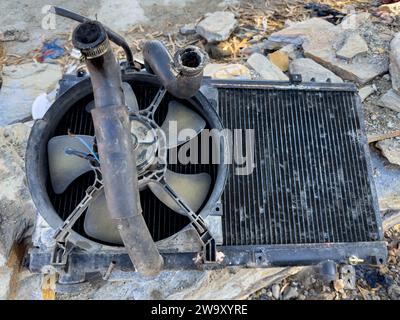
113 36
181 75
114 143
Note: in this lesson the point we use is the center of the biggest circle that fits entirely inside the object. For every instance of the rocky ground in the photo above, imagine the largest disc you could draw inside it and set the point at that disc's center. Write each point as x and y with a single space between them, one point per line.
371 283
345 41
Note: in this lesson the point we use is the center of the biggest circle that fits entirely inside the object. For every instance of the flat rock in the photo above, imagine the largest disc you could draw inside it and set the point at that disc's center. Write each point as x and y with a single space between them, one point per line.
280 59
227 71
17 211
21 85
395 62
292 51
353 46
390 100
309 70
188 29
217 26
297 33
390 149
13 33
366 91
320 41
222 284
265 68
387 181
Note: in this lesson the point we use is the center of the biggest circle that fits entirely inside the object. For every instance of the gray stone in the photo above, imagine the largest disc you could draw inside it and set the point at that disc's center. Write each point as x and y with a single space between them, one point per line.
291 292
265 68
390 149
309 69
225 284
292 51
387 182
297 33
395 62
5 280
320 39
217 26
353 46
390 100
29 286
17 211
13 33
366 91
355 21
21 85
276 291
188 29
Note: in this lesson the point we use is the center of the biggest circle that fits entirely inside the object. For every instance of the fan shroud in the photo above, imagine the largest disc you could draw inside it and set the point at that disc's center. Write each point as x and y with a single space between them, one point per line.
69 114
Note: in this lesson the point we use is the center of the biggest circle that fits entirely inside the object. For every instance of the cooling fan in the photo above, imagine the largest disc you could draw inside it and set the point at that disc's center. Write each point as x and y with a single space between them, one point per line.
70 156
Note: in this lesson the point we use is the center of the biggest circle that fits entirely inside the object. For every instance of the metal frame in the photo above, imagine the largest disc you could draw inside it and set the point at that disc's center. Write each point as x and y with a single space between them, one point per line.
245 256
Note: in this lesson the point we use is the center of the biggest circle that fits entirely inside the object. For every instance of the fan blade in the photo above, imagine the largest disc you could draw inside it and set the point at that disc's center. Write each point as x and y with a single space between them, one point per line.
192 189
98 223
65 168
130 98
183 118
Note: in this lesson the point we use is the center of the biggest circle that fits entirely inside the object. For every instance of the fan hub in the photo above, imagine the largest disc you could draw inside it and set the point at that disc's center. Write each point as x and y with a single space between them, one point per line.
145 142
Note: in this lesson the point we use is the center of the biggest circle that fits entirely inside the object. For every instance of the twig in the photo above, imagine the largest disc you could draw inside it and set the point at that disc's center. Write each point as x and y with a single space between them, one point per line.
380 137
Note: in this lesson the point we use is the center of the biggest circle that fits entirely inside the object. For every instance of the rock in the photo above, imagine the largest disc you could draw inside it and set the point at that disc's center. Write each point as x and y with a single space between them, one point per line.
390 149
226 3
9 273
297 33
366 91
226 71
395 62
21 85
218 51
280 59
17 211
355 21
390 100
28 286
386 77
276 291
309 70
292 51
353 46
184 285
217 26
291 292
394 292
13 33
392 8
387 182
266 68
320 40
5 280
188 29
338 285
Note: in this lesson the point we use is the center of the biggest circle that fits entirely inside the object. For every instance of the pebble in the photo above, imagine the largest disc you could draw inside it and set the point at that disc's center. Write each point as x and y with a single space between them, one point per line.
217 26
275 290
188 29
291 293
338 285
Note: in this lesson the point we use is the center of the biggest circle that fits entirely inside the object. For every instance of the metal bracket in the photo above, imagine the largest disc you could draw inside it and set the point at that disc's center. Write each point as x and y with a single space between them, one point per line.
295 79
59 255
91 193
